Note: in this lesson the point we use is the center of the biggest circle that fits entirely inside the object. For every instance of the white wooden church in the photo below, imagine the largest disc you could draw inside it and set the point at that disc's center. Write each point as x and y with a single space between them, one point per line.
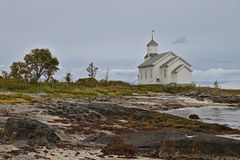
164 68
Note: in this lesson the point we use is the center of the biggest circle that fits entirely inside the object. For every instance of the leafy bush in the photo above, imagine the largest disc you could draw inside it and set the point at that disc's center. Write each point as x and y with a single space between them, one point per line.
113 83
88 82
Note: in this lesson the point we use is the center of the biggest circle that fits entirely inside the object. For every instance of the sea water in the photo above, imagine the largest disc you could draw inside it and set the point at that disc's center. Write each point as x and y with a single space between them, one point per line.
224 115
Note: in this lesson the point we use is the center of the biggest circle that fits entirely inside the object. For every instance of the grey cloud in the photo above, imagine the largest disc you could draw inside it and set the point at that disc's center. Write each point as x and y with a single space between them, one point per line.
218 74
180 40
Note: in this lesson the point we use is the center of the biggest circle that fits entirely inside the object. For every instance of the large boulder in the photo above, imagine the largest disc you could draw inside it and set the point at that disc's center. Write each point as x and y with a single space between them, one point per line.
173 144
28 130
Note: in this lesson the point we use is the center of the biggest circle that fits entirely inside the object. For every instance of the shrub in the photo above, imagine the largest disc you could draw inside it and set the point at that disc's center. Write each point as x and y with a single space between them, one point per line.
113 83
87 82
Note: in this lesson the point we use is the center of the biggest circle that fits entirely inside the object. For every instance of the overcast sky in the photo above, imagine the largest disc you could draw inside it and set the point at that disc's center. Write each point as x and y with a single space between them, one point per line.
114 33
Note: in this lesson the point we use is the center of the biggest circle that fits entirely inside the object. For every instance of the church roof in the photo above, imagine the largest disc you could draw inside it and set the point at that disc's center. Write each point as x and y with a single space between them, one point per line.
152 60
178 68
152 43
169 61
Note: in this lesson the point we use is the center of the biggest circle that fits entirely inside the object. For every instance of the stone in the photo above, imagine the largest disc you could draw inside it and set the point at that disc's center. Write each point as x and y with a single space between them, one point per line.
29 130
21 144
194 116
176 144
51 146
200 98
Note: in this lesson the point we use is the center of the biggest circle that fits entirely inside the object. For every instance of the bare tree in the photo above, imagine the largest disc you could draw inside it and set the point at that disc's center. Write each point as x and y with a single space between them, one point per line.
107 75
5 74
215 84
68 77
92 70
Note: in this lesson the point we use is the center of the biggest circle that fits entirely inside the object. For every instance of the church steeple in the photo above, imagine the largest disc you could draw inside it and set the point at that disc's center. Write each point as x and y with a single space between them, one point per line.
152 48
152 34
152 42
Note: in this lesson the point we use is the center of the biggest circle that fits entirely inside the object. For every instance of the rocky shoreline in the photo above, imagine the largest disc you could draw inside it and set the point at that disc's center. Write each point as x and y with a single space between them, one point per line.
112 128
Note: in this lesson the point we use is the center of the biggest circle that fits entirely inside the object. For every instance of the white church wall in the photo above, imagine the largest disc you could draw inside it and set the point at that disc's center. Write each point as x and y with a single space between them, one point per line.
146 75
152 49
159 72
184 76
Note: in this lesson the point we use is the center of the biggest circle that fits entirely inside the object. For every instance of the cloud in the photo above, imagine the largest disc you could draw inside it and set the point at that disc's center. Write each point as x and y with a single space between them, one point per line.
180 40
218 74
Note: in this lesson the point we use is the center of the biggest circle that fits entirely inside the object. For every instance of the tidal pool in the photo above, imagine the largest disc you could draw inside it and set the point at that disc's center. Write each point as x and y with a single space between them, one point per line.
225 115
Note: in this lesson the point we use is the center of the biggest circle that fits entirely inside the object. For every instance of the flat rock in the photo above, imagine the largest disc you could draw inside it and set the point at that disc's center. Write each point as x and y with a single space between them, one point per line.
176 144
31 131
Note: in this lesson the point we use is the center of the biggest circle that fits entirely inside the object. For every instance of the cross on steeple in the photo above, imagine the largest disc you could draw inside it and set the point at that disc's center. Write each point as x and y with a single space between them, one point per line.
152 34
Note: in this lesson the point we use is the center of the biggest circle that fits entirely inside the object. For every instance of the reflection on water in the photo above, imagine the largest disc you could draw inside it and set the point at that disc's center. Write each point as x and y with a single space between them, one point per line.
212 114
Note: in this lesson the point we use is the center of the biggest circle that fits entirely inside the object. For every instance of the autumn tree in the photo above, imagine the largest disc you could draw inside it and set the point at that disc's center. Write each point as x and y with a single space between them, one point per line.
92 70
19 70
38 63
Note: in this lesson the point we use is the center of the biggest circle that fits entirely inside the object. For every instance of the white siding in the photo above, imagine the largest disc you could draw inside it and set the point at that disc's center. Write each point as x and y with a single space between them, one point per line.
159 73
152 49
171 67
184 76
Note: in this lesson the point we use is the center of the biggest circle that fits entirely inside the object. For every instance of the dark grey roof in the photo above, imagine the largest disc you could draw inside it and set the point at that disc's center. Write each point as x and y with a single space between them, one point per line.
177 68
152 43
152 60
169 61
150 55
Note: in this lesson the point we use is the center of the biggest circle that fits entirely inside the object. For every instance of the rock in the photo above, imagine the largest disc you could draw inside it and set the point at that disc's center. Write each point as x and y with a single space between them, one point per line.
29 130
194 116
225 99
192 94
51 146
21 144
176 144
98 111
200 98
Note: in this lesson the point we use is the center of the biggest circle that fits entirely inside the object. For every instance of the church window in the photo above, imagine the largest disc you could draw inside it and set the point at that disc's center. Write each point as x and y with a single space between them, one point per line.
151 72
145 73
165 73
141 74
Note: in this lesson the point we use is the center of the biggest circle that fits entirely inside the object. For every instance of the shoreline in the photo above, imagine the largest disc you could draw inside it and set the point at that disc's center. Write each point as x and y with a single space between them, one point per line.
87 121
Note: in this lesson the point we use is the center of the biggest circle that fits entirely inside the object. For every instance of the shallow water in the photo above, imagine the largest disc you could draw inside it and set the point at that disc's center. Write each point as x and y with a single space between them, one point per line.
225 115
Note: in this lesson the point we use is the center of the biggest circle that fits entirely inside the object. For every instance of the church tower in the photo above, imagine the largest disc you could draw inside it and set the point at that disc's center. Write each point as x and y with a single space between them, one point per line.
152 49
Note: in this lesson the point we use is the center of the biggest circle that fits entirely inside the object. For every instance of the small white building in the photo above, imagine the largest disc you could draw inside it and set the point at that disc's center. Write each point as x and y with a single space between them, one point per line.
164 68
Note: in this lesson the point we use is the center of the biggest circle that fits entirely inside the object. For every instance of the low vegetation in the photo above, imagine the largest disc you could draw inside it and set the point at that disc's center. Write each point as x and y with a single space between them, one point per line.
92 87
15 98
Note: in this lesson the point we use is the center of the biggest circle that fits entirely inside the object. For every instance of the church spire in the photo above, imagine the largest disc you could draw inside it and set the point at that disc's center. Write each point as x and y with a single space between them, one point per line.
152 42
152 48
152 34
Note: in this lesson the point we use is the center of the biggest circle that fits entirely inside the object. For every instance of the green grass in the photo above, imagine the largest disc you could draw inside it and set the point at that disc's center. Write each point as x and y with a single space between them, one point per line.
89 87
15 98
